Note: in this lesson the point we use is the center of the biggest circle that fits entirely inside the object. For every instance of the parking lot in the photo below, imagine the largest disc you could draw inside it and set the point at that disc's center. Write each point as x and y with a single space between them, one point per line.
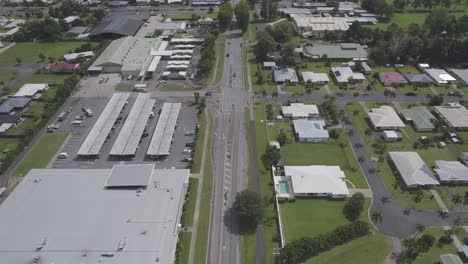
187 121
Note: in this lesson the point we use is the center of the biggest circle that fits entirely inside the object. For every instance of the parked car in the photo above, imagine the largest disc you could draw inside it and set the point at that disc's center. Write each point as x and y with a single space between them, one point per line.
80 117
76 123
63 155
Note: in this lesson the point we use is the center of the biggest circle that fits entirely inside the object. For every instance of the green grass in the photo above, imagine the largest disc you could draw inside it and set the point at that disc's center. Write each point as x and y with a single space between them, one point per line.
220 46
8 144
5 77
41 153
199 144
187 219
36 109
24 125
330 153
403 20
189 16
29 52
205 207
432 256
184 246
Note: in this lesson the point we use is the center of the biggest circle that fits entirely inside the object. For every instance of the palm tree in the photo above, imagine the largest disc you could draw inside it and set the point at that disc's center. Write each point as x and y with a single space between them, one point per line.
376 217
457 199
420 228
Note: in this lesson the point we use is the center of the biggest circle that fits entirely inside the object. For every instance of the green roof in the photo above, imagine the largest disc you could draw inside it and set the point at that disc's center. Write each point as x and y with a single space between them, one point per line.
335 50
420 116
450 259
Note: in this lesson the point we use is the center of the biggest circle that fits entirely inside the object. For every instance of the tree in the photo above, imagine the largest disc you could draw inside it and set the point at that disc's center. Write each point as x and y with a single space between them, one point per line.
282 138
439 21
288 56
282 32
265 44
225 15
436 100
399 4
376 217
354 207
242 15
41 56
420 228
249 207
18 60
271 156
456 199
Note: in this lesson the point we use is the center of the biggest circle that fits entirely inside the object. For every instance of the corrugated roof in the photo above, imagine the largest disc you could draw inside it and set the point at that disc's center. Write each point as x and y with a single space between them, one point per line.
124 25
162 136
412 169
310 129
335 50
420 116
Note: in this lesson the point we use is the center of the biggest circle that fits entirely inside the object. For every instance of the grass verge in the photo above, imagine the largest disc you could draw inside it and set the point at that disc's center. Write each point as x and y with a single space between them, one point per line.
183 248
189 206
199 145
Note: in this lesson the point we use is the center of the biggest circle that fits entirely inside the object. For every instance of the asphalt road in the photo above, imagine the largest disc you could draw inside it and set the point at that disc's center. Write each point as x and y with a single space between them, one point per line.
228 149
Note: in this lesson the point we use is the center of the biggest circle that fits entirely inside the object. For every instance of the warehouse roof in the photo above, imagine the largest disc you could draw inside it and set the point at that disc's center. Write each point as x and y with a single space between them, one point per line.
67 216
31 89
162 136
319 23
310 128
420 116
13 103
131 132
297 110
456 115
130 175
335 50
101 129
451 171
317 179
385 117
412 169
124 25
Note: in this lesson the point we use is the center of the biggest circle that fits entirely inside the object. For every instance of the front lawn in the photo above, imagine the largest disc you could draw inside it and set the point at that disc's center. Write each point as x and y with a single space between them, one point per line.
41 153
28 52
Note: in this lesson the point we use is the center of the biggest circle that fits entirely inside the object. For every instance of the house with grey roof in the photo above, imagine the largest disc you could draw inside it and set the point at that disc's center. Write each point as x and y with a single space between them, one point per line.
440 76
454 114
285 75
461 74
385 118
335 51
116 26
315 77
310 130
14 104
464 158
421 78
412 169
420 117
75 31
451 171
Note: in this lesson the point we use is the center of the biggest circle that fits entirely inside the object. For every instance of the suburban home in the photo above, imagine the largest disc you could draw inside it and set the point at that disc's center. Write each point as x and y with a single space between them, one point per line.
451 172
64 67
8 121
31 89
14 104
300 110
310 130
311 181
315 77
440 76
464 158
420 117
392 78
421 78
346 75
461 74
412 169
285 75
385 118
454 114
269 65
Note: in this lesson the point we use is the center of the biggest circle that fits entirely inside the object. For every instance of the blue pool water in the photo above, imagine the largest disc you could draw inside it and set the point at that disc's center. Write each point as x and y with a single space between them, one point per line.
283 187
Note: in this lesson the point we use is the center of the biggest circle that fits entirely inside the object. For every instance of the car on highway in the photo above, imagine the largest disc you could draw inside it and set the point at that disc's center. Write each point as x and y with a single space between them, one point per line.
63 116
227 55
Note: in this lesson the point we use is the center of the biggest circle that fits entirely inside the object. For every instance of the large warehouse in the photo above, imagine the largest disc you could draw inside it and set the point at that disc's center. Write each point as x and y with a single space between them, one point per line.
127 214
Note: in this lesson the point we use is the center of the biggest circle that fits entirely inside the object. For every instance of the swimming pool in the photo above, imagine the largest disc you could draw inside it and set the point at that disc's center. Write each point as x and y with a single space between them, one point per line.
283 187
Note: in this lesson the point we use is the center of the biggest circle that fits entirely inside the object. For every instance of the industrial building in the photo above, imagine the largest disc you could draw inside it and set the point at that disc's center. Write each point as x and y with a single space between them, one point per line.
300 110
454 114
412 169
317 26
127 214
129 137
310 130
126 55
116 26
97 136
420 117
335 51
451 172
385 118
162 137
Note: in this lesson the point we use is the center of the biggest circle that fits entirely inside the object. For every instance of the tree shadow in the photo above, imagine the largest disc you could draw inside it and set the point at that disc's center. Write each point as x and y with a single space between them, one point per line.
236 225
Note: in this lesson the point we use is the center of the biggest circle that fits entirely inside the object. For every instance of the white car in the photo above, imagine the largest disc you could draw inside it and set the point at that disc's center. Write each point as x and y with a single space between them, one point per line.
76 123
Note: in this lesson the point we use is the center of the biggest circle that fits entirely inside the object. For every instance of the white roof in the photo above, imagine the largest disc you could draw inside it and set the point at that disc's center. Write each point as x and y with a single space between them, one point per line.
5 126
70 19
30 89
269 64
300 110
391 134
346 74
318 23
385 116
315 77
440 76
162 136
74 56
412 169
455 114
451 171
186 40
317 179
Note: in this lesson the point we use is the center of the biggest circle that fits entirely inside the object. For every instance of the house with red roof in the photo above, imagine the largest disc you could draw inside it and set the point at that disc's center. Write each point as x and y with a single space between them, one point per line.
64 66
392 78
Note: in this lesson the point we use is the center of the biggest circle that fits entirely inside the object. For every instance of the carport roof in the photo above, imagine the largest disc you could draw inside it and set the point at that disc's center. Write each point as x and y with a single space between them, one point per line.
162 136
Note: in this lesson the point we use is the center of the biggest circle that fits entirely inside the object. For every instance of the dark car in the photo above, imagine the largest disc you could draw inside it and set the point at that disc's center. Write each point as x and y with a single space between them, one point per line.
410 94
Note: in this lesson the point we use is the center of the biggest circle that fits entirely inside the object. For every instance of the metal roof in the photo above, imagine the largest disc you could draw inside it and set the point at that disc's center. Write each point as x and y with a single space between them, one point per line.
67 216
335 50
412 169
30 89
130 134
385 117
317 179
124 25
310 129
98 134
162 136
451 171
13 103
285 74
136 175
455 115
462 74
420 116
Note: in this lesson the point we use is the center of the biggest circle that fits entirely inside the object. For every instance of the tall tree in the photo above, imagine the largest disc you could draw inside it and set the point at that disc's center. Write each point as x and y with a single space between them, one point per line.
242 15
354 207
288 56
249 207
265 44
225 15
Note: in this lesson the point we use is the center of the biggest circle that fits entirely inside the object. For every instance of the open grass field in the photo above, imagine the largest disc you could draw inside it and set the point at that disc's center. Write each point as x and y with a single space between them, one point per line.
205 206
41 153
35 109
29 52
184 245
199 144
329 153
187 219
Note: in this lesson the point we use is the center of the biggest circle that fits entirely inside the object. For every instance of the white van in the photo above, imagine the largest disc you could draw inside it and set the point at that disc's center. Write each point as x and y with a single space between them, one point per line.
63 155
